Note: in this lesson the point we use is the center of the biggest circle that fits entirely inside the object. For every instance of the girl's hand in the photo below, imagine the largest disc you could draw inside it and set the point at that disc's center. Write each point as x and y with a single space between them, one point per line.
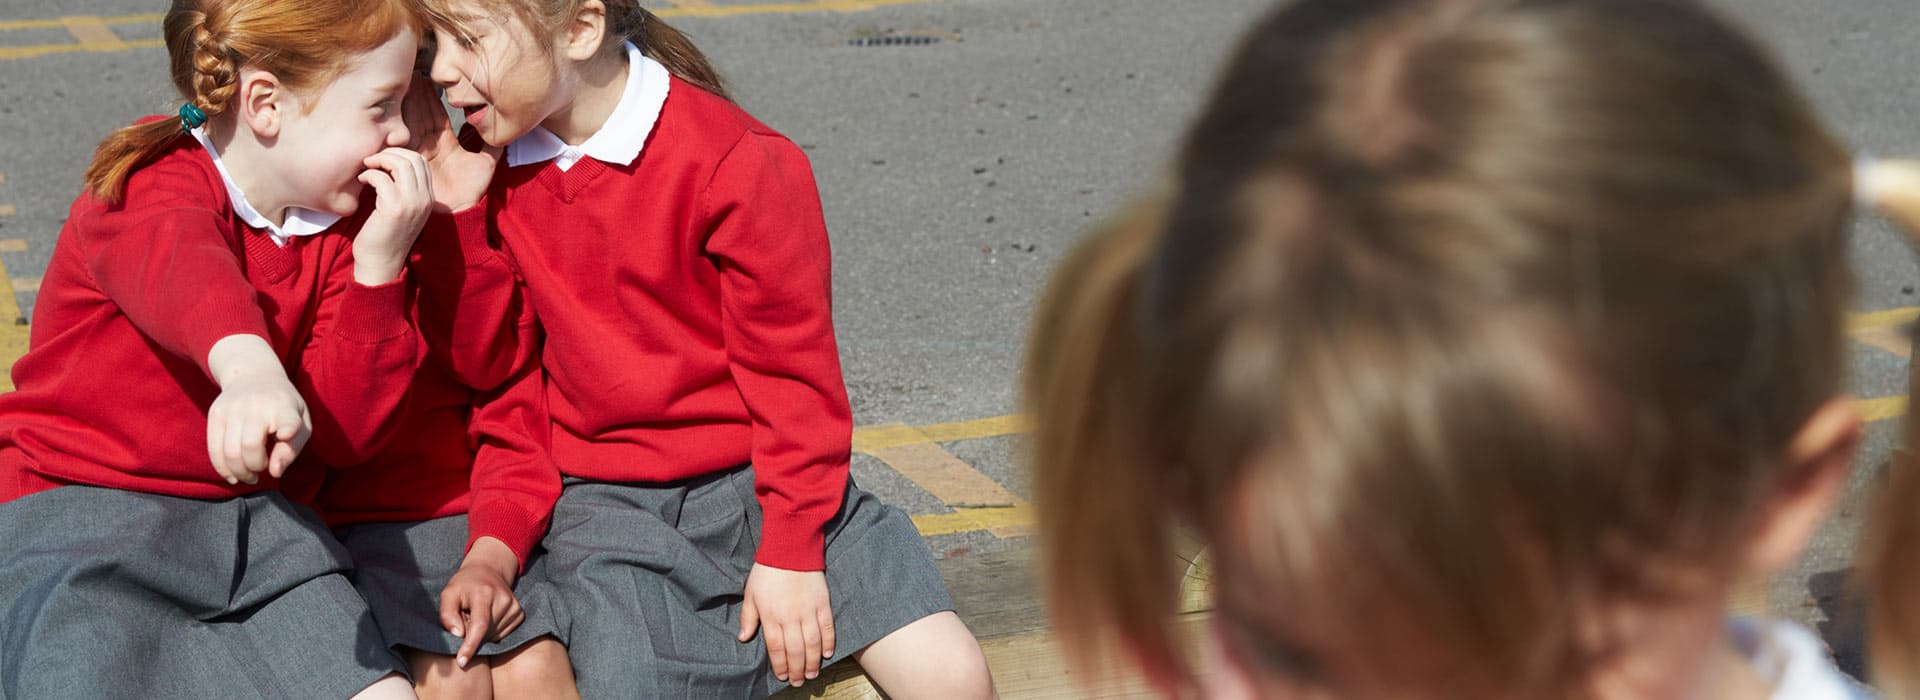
259 422
461 167
795 617
478 602
403 196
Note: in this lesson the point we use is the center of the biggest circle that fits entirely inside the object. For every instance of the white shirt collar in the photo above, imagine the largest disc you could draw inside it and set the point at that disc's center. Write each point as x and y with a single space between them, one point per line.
619 140
1796 661
300 222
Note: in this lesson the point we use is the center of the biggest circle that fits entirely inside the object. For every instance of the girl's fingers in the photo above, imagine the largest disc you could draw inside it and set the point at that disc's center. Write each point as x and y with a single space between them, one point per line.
506 615
478 625
235 449
450 613
253 446
512 623
407 170
417 109
776 641
291 433
301 436
380 181
824 615
749 619
288 424
810 635
282 456
216 446
796 653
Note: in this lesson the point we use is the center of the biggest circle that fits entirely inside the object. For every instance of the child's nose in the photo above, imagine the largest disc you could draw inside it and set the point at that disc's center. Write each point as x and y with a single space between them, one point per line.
399 136
442 71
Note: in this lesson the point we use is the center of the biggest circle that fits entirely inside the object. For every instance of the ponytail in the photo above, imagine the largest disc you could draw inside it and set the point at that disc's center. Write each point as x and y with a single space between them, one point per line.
122 151
204 70
1106 519
661 42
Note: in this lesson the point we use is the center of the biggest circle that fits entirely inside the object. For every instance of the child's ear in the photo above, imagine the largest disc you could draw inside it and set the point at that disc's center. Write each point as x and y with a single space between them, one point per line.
262 102
586 32
1818 462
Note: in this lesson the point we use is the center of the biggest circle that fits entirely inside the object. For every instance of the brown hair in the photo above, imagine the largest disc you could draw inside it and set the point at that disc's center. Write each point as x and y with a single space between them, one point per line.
304 44
1469 314
626 21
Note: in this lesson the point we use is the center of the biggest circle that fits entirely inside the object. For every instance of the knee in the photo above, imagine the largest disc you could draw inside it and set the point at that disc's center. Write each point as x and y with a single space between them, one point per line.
538 669
961 674
935 657
968 675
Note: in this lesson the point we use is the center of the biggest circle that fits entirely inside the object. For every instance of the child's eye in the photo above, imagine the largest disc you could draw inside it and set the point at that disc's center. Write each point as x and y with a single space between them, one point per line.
386 107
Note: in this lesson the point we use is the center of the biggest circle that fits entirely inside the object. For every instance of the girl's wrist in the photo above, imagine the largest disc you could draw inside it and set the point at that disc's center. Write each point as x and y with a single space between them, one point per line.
493 555
376 272
237 357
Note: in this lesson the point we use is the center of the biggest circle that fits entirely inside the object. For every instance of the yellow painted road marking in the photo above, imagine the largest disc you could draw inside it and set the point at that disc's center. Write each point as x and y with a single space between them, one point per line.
26 284
11 52
954 482
1889 318
93 31
1012 520
979 502
1892 340
1882 408
13 245
13 336
58 22
8 210
876 437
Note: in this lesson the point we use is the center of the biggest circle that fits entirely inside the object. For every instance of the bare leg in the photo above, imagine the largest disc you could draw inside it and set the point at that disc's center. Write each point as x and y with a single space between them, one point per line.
537 669
436 676
393 687
933 657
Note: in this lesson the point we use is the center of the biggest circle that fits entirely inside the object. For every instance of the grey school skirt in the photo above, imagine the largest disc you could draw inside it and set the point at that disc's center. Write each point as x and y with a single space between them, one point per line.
400 568
116 594
650 578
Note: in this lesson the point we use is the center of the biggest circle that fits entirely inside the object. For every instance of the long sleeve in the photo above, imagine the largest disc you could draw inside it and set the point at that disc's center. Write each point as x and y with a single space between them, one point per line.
515 481
174 271
769 239
472 309
357 364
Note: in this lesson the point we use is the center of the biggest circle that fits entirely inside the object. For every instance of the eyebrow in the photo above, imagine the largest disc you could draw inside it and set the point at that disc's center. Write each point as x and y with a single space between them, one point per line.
390 88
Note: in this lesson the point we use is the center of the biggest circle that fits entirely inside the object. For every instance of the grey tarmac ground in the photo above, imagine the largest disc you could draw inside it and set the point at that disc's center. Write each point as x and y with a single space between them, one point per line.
961 146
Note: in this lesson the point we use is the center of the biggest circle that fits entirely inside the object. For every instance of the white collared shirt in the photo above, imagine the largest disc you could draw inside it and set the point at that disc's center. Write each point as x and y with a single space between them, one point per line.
1795 660
300 222
619 140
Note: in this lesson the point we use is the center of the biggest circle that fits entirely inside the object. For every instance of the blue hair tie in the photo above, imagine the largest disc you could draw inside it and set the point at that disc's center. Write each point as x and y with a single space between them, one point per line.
191 117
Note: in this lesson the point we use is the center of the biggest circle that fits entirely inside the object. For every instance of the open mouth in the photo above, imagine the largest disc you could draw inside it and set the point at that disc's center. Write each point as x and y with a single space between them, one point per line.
475 114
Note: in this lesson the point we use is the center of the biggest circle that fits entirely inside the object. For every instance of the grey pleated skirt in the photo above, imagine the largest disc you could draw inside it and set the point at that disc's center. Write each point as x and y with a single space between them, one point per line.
650 578
116 594
400 568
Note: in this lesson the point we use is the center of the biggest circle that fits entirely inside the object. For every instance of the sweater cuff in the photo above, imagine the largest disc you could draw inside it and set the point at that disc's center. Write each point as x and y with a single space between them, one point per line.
792 542
376 314
507 522
458 239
